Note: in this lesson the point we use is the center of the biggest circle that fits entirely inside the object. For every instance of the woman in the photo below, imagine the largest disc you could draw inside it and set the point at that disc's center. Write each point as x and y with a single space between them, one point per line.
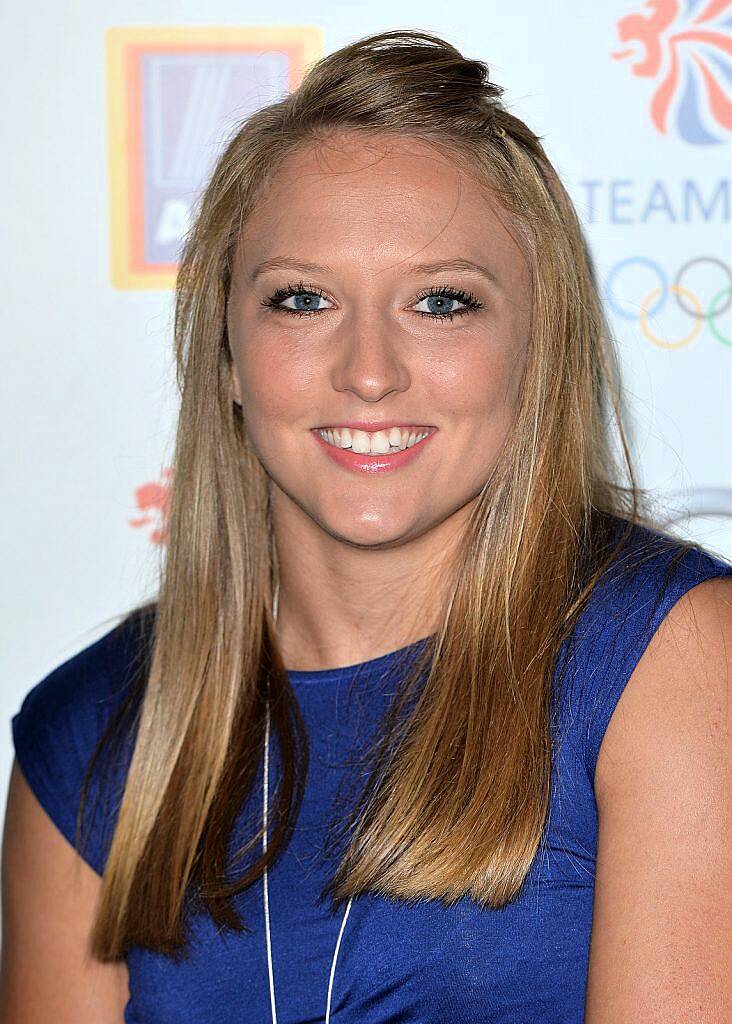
357 762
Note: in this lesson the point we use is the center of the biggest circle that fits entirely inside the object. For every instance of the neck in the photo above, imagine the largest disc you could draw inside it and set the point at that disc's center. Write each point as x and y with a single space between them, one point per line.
342 605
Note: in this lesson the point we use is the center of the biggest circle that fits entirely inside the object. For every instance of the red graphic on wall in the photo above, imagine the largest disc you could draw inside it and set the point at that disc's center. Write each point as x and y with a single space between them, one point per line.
687 49
152 500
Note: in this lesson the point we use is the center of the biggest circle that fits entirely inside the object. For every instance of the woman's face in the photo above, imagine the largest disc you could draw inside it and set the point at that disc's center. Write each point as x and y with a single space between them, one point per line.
335 317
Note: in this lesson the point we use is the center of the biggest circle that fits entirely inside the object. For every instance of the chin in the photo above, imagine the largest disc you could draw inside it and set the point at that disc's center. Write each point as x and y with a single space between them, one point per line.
380 532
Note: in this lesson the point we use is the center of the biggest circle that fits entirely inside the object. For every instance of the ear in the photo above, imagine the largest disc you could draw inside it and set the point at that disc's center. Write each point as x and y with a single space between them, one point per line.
234 380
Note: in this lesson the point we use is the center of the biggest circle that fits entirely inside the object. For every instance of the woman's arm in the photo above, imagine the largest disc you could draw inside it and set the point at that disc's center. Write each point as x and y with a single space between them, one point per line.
48 898
661 943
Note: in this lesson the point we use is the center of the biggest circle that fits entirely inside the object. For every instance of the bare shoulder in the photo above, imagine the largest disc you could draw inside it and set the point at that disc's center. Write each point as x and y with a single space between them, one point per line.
49 895
680 684
662 927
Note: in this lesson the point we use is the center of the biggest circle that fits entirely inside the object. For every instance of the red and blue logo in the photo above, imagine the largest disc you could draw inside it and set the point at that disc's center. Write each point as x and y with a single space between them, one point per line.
685 47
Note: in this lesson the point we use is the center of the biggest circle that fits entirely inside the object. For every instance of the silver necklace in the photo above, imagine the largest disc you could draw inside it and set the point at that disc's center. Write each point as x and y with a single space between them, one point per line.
265 879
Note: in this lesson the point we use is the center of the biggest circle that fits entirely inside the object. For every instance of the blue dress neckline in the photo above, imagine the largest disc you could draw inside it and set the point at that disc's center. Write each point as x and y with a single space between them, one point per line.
364 668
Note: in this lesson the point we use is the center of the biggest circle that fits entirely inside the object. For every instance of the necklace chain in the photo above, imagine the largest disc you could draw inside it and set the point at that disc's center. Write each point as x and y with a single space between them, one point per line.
265 877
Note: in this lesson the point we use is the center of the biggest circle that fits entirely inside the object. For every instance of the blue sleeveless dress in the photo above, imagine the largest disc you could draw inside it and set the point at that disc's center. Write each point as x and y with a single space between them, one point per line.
397 962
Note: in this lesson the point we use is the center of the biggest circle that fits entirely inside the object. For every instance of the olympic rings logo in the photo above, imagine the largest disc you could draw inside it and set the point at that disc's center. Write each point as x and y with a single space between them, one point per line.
699 502
686 300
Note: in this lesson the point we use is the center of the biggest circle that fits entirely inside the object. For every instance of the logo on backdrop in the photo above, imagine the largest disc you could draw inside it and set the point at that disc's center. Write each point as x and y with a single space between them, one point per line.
151 499
682 508
686 49
629 296
175 96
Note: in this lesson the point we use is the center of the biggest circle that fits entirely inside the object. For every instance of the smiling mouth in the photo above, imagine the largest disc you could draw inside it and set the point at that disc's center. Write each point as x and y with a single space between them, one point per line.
379 442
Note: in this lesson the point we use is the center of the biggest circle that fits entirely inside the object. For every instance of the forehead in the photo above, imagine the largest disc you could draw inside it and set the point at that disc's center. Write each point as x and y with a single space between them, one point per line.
372 199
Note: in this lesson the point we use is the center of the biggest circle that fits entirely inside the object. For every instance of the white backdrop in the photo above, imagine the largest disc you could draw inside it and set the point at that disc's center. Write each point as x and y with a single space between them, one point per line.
107 136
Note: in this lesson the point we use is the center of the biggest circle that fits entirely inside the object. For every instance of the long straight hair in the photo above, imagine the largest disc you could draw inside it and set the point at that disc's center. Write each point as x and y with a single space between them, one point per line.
458 796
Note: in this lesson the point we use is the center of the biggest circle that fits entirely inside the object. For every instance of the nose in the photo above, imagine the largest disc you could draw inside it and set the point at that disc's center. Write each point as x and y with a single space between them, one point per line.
367 357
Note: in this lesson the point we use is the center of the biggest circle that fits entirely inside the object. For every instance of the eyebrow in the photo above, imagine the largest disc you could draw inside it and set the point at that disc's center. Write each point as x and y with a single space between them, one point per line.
288 263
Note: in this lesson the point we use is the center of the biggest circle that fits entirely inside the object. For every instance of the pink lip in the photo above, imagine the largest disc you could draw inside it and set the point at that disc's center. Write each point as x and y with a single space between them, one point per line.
370 426
372 463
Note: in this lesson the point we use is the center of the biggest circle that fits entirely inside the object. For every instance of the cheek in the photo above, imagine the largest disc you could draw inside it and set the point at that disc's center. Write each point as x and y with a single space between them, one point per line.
480 392
278 404
273 382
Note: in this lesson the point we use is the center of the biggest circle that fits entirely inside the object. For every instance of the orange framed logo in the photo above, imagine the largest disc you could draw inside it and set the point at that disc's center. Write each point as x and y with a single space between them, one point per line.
174 97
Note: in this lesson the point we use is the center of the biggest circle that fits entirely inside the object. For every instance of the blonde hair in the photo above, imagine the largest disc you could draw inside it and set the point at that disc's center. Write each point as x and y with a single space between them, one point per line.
458 798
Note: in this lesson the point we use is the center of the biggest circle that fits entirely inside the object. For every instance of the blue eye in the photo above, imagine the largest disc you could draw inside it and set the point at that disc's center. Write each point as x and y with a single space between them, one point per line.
304 302
306 299
440 301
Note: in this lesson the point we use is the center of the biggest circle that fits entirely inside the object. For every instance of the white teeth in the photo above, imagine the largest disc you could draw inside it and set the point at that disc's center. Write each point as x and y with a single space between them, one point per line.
381 442
360 442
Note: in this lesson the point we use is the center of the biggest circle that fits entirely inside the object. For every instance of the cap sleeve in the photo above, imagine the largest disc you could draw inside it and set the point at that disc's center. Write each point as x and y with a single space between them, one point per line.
59 724
624 612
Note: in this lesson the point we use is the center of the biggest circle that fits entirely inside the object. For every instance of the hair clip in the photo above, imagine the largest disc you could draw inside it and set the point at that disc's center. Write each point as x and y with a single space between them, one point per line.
501 132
